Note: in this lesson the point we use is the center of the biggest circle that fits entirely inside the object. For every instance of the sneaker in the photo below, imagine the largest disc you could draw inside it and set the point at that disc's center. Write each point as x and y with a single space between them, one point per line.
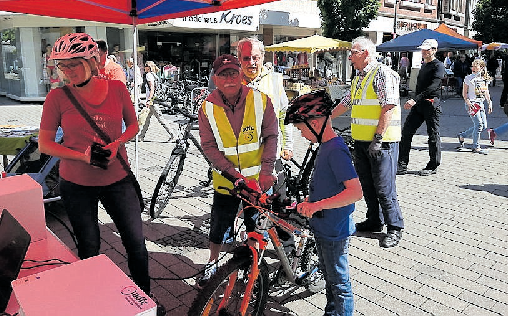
492 135
210 270
401 169
391 239
461 141
161 310
480 151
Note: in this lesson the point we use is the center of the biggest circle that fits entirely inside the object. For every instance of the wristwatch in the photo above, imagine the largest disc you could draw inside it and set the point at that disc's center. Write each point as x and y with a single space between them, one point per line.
378 137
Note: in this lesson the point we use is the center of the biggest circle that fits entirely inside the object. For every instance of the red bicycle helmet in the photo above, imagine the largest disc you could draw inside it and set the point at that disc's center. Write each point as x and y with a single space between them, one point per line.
74 45
311 105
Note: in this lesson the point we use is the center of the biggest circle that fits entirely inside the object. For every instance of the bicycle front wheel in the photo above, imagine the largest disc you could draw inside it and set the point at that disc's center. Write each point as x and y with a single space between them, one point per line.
224 292
166 184
315 282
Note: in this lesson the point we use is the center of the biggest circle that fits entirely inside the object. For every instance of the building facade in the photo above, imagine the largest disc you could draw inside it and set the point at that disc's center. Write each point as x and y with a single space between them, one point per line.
191 44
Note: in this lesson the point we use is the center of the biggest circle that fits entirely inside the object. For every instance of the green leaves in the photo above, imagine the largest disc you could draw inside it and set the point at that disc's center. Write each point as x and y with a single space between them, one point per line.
345 19
491 21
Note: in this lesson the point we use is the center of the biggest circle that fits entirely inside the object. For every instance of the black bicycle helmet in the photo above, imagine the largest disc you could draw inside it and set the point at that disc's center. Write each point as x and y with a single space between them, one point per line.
311 105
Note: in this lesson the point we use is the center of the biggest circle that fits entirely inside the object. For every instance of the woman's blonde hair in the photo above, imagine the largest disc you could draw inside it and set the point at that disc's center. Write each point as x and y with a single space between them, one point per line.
483 69
153 67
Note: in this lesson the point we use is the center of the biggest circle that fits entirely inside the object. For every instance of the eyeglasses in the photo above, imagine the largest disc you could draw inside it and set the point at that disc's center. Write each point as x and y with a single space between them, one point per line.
357 51
225 75
254 58
64 67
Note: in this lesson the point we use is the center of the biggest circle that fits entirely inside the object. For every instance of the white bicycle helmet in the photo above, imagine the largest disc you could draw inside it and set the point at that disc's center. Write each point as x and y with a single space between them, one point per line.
74 45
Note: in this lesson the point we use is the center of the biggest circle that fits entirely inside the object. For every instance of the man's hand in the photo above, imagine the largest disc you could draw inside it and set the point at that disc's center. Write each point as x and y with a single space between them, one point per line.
253 185
410 103
375 148
286 154
266 181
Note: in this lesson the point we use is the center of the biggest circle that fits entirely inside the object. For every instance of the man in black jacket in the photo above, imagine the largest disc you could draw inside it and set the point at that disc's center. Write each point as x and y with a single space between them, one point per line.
504 94
424 107
461 68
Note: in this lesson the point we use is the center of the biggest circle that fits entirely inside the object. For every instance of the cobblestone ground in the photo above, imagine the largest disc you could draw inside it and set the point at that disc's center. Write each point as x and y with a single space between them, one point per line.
452 259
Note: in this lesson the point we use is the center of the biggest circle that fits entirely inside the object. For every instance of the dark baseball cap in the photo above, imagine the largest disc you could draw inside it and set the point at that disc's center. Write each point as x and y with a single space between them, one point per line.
225 61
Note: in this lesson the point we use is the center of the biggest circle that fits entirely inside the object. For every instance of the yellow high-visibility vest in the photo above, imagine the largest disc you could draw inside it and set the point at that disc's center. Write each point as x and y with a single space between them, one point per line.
366 111
245 151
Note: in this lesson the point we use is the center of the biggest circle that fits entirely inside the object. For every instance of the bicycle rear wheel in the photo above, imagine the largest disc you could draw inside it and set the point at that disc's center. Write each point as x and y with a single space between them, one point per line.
235 270
314 282
166 184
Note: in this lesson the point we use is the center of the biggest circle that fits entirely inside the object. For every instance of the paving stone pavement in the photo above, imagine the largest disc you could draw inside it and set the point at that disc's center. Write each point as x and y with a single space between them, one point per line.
452 259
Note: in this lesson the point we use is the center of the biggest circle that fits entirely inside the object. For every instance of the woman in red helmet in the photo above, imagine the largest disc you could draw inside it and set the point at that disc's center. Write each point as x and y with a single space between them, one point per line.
85 178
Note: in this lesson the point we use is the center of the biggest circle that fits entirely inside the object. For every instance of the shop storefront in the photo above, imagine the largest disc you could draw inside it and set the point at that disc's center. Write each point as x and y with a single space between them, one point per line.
189 44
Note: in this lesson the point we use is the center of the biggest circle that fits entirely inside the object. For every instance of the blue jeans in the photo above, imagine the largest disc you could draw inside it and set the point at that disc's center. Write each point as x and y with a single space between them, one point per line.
121 203
479 124
377 176
502 129
333 261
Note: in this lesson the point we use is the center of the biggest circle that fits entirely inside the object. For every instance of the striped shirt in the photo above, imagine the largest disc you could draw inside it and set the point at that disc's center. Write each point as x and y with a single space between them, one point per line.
386 85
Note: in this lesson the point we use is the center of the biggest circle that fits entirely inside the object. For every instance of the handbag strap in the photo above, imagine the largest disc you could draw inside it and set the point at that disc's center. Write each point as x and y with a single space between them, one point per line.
95 127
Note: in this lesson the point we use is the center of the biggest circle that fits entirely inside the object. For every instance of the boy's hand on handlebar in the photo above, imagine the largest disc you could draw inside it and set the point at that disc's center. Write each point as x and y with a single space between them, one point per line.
307 209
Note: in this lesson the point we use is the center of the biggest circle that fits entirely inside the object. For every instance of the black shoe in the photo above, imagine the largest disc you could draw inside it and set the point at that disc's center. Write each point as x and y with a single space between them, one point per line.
401 169
368 227
428 171
391 239
161 310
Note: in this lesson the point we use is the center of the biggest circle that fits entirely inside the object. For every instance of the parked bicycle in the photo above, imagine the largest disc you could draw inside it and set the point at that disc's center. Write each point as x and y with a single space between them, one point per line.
174 167
240 286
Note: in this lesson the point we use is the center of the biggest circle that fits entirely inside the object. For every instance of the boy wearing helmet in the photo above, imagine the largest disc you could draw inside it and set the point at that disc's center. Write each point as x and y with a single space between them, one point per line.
334 188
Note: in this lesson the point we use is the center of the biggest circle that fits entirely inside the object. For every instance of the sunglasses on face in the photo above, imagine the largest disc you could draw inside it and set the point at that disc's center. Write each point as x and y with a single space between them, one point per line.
232 74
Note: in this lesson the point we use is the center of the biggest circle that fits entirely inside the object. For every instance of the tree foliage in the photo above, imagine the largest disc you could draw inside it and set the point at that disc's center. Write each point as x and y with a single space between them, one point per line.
345 19
491 21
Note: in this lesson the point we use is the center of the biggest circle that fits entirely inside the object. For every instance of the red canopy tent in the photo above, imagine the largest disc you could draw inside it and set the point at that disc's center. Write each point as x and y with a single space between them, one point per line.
443 28
133 12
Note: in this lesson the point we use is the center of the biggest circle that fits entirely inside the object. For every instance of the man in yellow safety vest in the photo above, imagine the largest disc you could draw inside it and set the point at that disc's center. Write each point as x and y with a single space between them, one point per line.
238 131
375 128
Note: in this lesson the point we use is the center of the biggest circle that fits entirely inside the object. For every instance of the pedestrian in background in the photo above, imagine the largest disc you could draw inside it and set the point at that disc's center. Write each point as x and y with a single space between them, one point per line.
504 95
461 68
375 127
404 66
475 92
425 107
108 68
153 109
492 65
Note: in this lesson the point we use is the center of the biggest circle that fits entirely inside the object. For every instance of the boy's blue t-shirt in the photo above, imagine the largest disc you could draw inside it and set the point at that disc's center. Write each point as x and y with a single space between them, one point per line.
333 166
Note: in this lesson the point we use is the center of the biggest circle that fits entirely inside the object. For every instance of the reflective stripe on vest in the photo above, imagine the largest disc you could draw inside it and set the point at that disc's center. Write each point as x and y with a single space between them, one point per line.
246 150
366 111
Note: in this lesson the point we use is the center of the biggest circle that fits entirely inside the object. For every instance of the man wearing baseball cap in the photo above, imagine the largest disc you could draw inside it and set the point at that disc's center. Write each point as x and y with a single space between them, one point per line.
238 130
424 107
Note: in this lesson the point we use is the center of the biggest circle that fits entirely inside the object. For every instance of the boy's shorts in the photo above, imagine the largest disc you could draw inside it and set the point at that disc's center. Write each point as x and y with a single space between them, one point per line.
224 211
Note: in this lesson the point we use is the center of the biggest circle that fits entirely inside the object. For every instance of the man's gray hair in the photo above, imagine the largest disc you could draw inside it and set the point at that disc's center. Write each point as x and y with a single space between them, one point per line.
254 42
366 45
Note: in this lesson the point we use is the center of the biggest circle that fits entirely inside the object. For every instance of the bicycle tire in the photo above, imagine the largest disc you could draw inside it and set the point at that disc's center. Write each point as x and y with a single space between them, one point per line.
207 299
166 184
315 283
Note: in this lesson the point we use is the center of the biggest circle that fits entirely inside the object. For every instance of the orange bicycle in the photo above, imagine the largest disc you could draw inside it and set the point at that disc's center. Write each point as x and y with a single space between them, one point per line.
240 286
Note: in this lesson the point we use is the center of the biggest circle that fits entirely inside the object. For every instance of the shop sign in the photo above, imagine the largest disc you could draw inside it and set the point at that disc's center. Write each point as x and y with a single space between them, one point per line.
408 27
238 19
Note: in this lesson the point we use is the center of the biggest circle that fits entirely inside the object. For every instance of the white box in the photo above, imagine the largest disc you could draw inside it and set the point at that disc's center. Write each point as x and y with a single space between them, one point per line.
90 287
22 197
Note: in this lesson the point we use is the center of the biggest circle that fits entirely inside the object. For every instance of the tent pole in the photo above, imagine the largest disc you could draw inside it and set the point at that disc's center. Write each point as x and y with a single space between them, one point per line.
136 97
